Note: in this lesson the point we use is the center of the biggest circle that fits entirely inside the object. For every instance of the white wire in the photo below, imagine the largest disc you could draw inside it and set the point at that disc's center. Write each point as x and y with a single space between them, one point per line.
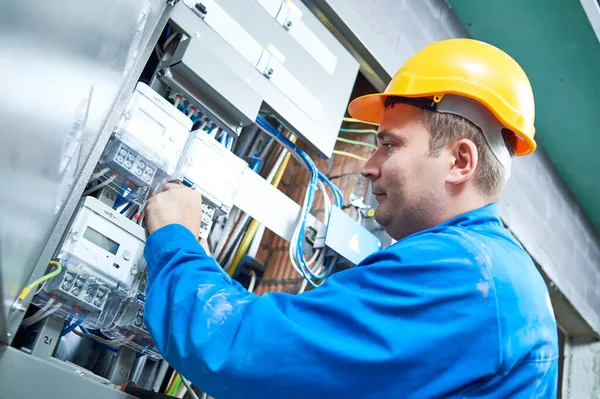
168 41
158 51
39 315
114 342
252 281
189 388
214 132
203 125
99 174
227 229
99 186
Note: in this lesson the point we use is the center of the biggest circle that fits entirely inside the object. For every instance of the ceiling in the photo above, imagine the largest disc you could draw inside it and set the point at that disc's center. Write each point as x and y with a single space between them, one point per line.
558 49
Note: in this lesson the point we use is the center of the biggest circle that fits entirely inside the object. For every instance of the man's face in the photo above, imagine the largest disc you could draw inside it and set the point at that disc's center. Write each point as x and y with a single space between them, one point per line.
407 182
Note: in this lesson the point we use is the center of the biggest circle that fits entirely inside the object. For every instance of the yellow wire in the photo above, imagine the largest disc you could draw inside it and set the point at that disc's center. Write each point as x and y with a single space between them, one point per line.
40 280
360 143
349 155
254 224
362 131
173 385
359 121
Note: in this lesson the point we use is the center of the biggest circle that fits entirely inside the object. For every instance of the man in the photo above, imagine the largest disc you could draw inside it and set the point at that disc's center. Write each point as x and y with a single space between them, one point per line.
455 308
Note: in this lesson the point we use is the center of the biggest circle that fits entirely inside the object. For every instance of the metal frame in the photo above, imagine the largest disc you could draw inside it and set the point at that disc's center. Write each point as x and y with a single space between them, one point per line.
47 380
158 19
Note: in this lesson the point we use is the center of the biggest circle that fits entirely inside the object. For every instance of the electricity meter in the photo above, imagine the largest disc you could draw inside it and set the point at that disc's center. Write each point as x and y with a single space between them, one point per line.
102 255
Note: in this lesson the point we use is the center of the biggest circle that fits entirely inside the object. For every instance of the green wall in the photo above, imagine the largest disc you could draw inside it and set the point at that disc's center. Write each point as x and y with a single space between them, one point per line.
556 46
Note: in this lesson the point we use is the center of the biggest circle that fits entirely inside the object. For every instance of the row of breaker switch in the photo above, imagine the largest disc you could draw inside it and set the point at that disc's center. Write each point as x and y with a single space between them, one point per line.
73 284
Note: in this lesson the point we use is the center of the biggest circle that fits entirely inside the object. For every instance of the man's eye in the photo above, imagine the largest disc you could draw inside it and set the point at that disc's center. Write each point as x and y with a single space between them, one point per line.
388 146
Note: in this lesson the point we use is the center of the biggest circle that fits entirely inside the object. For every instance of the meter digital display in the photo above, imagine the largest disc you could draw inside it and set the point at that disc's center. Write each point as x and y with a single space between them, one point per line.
101 240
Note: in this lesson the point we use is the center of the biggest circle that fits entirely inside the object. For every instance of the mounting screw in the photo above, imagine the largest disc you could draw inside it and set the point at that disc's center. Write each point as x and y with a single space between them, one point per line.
168 73
289 24
238 129
197 33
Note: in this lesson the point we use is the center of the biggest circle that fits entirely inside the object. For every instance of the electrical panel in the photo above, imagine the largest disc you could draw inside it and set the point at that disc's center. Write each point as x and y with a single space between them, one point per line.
241 57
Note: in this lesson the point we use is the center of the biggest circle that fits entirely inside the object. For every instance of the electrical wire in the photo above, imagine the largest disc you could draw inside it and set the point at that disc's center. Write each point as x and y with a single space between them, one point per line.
73 326
40 280
168 41
236 232
252 281
243 247
114 343
41 313
160 375
355 142
359 121
296 252
227 229
174 386
359 131
87 334
189 388
349 155
99 174
100 185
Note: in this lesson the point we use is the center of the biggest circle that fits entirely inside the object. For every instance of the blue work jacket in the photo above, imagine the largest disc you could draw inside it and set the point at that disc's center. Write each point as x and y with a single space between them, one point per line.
458 310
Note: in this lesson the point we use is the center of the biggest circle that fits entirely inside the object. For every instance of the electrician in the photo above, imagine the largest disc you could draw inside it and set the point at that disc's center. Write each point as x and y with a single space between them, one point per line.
455 308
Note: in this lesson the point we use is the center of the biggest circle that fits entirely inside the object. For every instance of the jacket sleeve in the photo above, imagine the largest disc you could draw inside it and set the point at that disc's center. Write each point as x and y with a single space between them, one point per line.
396 323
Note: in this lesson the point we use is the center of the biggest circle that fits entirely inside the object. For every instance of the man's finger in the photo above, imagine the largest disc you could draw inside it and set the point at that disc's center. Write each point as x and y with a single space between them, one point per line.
172 186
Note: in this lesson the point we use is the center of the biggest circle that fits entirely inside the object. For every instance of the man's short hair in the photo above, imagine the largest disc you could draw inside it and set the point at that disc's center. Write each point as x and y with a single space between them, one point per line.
445 129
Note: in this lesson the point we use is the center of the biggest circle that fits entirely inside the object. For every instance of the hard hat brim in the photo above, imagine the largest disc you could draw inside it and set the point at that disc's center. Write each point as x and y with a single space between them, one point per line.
370 108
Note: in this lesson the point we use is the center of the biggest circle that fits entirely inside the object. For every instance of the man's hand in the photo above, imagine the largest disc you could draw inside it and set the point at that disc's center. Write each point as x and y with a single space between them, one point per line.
175 204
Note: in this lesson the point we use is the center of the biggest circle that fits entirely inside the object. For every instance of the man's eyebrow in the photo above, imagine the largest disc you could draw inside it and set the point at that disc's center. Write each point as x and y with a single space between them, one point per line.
386 134
383 134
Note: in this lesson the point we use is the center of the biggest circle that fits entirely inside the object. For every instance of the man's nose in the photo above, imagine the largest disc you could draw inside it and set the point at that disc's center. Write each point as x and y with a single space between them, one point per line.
371 169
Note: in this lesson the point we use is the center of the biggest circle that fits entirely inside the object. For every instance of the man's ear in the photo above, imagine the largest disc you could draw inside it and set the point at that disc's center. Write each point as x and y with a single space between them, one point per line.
464 159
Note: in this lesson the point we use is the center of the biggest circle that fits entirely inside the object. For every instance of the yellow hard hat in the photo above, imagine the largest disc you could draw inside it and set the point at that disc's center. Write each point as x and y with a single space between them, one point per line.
467 68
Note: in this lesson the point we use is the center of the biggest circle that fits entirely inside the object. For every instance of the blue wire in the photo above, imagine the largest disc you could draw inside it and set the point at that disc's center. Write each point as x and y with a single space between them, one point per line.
122 192
67 321
299 255
73 326
126 207
100 344
196 119
168 32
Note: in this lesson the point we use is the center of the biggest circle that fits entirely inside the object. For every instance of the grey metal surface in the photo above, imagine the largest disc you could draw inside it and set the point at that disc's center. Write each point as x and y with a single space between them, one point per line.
122 365
57 54
47 380
47 337
382 34
239 82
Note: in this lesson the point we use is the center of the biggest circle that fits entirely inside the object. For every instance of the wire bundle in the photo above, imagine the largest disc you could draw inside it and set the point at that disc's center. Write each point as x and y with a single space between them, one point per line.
320 269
